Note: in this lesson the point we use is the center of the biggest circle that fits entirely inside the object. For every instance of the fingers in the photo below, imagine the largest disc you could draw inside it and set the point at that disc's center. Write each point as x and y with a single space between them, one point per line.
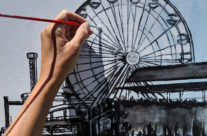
69 16
81 35
65 33
66 16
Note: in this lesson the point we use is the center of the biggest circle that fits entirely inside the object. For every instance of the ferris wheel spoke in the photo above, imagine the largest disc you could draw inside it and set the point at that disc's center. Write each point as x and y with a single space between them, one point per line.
146 21
162 55
158 37
98 57
115 19
144 65
150 40
98 62
102 41
115 42
110 42
161 60
162 28
96 89
103 47
150 63
105 81
134 30
152 48
94 67
170 46
127 25
121 21
122 84
111 33
124 24
134 18
107 71
118 90
140 21
101 93
111 26
94 55
155 20
98 75
95 52
113 84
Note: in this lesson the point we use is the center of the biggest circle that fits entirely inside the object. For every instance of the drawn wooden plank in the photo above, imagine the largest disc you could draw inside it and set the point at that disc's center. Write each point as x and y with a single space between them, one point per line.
176 72
179 87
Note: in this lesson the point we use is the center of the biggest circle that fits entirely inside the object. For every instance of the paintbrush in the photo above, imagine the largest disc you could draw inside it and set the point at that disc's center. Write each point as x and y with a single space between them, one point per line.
47 20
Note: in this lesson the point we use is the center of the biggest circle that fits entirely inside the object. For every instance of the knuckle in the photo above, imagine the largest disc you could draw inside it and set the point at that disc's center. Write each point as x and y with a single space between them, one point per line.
64 11
75 48
46 32
85 32
62 15
58 31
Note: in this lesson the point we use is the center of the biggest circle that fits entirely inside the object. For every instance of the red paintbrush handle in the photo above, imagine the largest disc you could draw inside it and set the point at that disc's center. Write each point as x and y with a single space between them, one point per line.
40 19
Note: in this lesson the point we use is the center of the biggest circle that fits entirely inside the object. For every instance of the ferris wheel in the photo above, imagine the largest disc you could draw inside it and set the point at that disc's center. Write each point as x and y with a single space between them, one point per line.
135 34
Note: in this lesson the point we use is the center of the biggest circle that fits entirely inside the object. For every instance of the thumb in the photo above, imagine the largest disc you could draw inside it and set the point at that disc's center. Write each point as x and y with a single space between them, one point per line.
81 34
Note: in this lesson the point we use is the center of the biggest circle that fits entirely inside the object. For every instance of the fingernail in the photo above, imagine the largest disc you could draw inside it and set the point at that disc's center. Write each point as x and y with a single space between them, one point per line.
86 26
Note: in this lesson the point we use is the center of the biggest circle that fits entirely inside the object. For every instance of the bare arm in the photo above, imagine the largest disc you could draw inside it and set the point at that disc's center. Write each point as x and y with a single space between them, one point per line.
60 47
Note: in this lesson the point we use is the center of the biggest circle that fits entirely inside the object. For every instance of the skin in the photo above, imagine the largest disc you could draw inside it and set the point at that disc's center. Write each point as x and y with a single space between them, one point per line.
60 47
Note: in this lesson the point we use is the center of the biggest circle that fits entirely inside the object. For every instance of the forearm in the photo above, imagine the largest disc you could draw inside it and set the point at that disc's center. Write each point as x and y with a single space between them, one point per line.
58 58
33 119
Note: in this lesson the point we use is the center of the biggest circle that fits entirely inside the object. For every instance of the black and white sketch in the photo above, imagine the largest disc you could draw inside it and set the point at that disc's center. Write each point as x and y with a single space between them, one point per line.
122 84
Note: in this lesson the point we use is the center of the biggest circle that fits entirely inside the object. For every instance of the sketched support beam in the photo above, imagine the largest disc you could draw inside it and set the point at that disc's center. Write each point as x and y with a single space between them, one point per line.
172 72
32 56
8 103
6 109
163 88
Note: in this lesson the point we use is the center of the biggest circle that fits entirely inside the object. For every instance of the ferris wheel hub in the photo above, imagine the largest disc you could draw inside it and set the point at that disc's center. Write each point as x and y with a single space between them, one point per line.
132 58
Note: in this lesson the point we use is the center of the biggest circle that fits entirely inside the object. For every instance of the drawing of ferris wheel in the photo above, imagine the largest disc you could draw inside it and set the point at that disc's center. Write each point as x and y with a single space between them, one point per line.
135 34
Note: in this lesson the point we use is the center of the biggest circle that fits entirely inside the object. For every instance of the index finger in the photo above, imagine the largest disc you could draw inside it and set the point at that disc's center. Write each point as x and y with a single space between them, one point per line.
70 16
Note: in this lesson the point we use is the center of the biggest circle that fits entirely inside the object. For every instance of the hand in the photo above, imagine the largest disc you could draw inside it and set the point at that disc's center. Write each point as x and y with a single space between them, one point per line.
61 44
60 47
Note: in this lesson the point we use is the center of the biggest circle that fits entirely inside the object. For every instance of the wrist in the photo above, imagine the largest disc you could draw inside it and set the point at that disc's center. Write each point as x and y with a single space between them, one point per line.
54 79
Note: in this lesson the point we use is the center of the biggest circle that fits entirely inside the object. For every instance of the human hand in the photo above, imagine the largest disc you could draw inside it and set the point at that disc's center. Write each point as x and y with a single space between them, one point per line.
61 44
60 47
